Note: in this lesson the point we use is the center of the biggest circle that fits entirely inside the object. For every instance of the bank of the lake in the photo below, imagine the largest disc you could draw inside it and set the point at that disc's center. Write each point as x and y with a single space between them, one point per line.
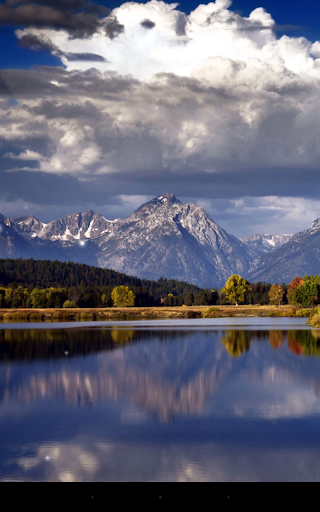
141 313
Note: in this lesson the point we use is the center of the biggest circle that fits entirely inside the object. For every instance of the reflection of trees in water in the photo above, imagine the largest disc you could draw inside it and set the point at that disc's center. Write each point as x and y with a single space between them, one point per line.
276 338
237 342
122 335
22 344
32 344
305 343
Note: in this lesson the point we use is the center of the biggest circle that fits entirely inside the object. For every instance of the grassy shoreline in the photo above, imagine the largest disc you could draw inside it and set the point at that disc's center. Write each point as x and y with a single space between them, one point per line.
148 313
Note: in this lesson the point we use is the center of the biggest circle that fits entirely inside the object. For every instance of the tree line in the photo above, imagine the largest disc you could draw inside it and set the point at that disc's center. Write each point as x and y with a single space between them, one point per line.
55 284
47 284
299 292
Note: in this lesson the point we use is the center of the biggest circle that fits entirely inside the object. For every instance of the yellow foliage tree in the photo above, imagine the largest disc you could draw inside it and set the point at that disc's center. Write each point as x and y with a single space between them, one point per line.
235 289
122 297
275 294
237 342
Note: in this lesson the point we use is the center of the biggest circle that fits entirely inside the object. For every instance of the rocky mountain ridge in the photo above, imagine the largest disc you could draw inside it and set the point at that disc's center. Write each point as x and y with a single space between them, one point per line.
265 243
163 238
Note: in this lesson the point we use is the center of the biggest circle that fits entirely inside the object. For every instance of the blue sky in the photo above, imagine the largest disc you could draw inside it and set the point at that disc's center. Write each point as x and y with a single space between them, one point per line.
217 103
291 16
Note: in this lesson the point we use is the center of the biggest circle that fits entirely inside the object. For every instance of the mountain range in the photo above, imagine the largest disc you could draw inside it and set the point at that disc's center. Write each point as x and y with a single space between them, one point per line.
164 238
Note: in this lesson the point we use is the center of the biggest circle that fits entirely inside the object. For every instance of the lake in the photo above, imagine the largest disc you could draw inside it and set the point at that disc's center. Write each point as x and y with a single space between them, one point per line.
209 400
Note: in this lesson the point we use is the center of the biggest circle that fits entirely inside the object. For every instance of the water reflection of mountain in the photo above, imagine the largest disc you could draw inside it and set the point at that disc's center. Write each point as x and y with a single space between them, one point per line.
165 379
166 373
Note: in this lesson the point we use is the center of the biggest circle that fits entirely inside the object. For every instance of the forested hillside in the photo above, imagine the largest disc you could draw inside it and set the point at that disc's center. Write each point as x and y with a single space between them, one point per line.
88 286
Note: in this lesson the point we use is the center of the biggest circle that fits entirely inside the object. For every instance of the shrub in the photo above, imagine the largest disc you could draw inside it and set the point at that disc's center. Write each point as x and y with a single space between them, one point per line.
69 304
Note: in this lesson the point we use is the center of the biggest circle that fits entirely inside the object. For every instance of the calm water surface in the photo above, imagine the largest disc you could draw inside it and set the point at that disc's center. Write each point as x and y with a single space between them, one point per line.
218 400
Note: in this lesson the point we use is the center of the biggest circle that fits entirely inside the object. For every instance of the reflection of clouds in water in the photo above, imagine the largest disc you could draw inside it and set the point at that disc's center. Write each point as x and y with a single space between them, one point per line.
274 393
133 417
102 461
64 463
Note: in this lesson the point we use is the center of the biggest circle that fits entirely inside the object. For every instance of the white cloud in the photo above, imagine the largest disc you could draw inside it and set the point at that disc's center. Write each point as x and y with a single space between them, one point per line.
213 97
25 155
247 82
210 31
275 215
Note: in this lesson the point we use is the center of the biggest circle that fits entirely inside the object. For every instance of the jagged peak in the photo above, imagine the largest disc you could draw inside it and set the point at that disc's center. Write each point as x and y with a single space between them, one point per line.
166 199
169 197
86 213
315 224
26 218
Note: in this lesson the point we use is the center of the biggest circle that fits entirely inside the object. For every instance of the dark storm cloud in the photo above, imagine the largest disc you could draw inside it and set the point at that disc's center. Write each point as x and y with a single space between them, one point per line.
36 43
254 27
147 24
42 82
63 5
4 88
79 18
217 186
285 28
85 57
112 27
181 24
33 187
52 109
207 144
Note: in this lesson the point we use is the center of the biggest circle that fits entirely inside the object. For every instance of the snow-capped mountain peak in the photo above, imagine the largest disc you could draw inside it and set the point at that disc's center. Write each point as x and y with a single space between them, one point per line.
258 243
166 238
163 238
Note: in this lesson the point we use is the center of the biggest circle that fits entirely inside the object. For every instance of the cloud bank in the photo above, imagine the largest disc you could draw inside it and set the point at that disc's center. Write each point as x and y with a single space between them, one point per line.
207 105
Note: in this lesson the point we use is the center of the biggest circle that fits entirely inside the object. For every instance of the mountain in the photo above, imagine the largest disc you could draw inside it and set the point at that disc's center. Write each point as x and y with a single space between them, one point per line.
163 238
77 227
299 256
12 244
28 227
258 244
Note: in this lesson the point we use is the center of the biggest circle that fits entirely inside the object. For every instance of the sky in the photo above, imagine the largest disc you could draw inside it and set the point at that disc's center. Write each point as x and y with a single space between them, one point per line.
105 105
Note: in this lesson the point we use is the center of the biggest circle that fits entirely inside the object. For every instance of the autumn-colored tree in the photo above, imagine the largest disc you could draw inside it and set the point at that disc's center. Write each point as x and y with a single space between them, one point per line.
309 292
121 335
293 291
237 342
275 294
122 296
235 289
276 339
304 342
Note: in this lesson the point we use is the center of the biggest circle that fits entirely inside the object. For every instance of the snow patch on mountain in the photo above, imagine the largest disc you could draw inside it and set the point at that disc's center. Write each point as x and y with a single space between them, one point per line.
265 243
163 238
